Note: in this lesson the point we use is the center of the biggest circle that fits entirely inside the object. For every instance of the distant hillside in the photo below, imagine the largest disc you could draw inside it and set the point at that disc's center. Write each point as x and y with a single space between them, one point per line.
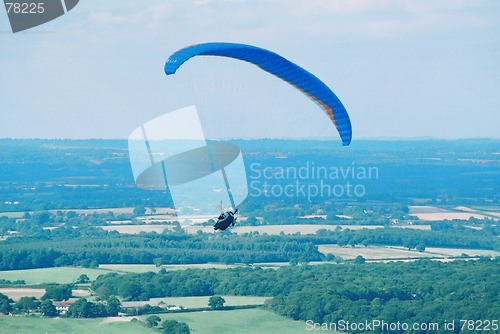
53 174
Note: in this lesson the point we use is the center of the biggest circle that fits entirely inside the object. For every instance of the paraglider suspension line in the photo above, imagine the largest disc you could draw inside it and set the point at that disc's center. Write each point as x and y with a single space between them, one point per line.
226 182
153 160
228 188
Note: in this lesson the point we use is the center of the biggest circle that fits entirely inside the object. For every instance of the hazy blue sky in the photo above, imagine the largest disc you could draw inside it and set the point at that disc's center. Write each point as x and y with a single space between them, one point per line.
402 68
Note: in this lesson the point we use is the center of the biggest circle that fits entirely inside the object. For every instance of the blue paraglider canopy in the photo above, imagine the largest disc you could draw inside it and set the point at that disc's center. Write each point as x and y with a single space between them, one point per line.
279 66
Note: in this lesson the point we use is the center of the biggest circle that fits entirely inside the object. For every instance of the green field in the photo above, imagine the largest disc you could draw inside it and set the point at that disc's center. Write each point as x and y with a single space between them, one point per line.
12 214
60 275
255 321
65 275
33 325
199 302
237 321
143 268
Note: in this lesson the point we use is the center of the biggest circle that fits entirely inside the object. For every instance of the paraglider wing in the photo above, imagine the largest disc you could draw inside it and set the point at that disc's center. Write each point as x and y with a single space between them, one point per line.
279 66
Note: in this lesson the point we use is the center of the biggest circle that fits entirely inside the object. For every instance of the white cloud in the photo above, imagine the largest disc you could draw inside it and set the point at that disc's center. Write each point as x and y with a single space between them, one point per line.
294 19
385 17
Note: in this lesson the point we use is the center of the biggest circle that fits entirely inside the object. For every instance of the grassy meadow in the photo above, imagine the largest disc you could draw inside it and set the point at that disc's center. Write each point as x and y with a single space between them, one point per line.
34 325
59 275
199 302
251 321
143 268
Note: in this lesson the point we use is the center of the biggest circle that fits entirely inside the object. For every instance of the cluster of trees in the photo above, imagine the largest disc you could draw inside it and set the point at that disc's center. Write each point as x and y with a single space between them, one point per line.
80 309
83 308
458 237
216 302
190 282
420 291
5 304
34 223
27 305
58 292
6 282
167 326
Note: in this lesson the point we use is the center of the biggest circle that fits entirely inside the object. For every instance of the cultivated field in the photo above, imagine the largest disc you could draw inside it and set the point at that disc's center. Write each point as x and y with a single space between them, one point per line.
432 213
370 252
486 211
18 293
460 251
391 252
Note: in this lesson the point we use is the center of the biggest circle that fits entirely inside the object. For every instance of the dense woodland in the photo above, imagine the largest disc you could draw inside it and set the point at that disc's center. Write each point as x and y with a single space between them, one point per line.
70 174
149 249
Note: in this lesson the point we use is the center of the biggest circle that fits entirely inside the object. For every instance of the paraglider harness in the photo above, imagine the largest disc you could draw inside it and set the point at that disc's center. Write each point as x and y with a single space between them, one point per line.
225 219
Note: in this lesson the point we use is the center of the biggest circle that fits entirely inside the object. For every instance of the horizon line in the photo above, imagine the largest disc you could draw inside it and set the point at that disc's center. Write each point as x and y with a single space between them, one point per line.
376 138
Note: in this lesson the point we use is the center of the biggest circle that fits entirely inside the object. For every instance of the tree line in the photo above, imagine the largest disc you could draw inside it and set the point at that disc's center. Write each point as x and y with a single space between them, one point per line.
81 308
84 246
